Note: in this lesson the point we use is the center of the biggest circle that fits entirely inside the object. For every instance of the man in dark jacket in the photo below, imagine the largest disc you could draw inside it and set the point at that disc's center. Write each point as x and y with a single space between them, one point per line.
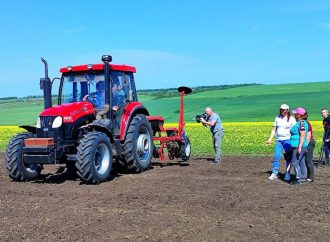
326 136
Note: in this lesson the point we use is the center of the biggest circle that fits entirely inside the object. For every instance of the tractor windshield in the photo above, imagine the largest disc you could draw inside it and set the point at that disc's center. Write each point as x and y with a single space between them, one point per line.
76 87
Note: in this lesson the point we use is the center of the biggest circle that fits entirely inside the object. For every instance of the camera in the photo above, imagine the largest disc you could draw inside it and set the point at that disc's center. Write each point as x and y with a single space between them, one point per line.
199 117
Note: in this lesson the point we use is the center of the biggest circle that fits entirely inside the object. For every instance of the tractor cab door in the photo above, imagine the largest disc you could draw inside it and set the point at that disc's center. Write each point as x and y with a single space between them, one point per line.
123 92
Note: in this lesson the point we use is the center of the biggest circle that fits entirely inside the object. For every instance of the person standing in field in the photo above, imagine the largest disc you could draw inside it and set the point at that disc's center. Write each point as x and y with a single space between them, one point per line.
217 130
326 135
299 143
310 150
281 128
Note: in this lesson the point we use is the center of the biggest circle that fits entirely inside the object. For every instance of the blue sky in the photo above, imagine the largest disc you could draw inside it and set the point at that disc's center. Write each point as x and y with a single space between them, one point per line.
171 43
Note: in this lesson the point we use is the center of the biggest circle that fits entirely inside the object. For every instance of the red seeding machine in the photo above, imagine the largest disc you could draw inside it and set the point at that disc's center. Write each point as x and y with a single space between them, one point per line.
173 139
98 122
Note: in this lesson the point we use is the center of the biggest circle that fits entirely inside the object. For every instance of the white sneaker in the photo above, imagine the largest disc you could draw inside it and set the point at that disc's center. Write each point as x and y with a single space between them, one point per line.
272 177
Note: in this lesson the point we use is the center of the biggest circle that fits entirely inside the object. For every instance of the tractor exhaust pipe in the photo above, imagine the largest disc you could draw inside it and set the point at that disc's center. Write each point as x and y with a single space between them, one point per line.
46 86
108 84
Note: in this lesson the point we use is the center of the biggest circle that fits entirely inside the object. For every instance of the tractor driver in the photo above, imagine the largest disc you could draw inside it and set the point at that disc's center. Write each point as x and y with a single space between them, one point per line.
97 98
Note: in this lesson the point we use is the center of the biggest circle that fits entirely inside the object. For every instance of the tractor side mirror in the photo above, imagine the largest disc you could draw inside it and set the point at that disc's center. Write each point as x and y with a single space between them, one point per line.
42 80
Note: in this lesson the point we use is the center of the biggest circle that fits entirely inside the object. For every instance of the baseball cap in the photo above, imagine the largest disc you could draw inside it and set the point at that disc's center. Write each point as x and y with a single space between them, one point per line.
299 111
284 106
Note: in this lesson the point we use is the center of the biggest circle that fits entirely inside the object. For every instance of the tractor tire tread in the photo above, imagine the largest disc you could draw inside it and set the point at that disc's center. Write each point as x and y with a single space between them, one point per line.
12 155
84 170
128 146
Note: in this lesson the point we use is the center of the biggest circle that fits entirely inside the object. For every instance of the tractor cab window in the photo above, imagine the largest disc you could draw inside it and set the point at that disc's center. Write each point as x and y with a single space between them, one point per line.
122 90
84 87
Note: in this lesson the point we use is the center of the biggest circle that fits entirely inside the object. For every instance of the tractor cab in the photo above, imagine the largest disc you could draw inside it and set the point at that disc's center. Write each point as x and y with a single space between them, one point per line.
88 83
100 89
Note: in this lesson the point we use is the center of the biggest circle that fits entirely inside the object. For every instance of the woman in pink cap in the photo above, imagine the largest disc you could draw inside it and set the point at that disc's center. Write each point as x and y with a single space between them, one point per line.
299 143
281 128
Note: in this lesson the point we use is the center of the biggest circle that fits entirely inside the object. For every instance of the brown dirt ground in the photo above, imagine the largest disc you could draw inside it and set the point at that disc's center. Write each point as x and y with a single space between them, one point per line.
198 202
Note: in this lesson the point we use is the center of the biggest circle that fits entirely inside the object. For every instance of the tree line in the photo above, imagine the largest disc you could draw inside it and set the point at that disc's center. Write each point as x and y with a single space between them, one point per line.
169 92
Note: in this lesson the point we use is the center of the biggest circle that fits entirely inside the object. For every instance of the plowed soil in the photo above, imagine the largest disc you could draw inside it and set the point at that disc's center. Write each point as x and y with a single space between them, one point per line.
170 202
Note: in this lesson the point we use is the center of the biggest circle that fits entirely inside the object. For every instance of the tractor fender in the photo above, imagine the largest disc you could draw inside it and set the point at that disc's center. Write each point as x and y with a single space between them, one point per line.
103 130
28 128
130 111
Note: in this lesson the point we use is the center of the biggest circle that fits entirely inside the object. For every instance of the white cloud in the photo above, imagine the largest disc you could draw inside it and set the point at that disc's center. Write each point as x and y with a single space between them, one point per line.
153 66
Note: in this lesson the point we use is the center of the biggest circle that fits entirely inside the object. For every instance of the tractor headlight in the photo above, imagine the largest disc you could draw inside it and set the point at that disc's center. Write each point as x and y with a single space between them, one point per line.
38 125
57 122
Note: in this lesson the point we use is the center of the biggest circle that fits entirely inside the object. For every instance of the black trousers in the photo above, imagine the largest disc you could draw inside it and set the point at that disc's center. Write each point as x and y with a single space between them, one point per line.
309 159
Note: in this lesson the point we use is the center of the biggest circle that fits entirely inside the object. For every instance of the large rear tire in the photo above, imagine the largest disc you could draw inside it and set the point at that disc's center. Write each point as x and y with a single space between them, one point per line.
138 146
94 158
18 171
185 149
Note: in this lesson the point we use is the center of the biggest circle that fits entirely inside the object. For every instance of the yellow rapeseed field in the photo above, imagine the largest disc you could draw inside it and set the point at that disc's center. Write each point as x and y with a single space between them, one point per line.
240 137
6 133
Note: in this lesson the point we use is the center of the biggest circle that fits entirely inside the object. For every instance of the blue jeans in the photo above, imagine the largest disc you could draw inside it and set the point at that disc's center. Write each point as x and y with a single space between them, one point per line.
298 163
279 147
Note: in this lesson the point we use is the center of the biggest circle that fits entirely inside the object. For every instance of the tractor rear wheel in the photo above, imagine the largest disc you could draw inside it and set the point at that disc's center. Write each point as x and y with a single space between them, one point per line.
185 149
94 158
138 146
18 171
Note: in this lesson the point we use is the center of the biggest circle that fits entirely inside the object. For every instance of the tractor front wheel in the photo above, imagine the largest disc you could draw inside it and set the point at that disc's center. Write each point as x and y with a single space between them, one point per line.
94 158
18 171
138 146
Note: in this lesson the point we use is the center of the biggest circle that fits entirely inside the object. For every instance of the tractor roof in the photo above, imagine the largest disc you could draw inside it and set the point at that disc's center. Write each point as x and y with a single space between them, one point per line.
97 67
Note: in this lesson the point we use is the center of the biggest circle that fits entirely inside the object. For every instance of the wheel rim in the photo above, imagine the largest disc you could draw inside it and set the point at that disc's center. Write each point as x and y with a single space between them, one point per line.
102 159
187 149
143 144
31 167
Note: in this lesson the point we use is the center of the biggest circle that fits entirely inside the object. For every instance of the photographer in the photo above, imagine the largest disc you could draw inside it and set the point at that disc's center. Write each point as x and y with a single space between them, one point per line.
326 135
216 128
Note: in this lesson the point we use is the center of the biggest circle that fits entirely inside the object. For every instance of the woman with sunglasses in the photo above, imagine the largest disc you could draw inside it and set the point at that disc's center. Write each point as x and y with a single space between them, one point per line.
281 128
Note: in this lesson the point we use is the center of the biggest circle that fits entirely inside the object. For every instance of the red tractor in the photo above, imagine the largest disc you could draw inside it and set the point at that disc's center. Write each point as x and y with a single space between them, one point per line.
98 121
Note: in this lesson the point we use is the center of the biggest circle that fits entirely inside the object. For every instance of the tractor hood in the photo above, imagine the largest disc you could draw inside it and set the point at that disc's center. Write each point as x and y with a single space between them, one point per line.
70 112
